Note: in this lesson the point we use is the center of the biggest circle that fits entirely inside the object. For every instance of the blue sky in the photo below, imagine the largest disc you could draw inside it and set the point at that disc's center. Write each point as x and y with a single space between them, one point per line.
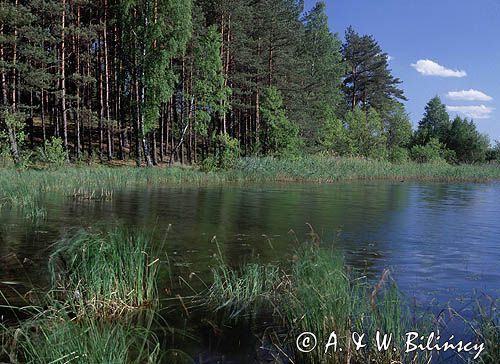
449 48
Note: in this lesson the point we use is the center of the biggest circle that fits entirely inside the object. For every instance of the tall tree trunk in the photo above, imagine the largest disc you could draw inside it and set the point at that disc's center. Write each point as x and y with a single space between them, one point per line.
137 124
106 74
101 98
119 111
76 51
89 109
257 116
63 79
16 157
42 117
145 147
162 131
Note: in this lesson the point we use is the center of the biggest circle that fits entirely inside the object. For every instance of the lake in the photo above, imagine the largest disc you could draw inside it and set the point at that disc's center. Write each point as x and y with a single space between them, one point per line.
441 241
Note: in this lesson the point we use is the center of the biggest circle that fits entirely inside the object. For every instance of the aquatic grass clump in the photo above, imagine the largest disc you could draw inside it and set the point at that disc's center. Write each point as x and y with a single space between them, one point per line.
53 337
320 294
109 273
327 296
486 327
246 291
321 299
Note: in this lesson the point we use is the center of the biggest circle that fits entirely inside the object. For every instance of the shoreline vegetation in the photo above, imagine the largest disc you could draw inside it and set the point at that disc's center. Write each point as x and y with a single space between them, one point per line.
27 189
273 303
222 81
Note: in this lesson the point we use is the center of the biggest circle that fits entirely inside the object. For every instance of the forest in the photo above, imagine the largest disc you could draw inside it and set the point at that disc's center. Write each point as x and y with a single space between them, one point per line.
205 82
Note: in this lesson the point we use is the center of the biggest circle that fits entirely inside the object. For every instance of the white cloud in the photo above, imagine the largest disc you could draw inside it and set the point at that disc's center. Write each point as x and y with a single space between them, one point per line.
390 58
474 112
427 67
471 95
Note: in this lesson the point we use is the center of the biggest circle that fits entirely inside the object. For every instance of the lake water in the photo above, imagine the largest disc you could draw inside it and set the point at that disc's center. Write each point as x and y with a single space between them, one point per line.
441 241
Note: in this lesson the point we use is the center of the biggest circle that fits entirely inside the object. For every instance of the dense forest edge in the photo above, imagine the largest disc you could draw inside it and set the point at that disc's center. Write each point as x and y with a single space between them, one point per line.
205 83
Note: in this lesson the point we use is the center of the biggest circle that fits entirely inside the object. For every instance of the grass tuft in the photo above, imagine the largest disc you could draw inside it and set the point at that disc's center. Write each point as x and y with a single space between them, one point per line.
53 337
320 295
109 274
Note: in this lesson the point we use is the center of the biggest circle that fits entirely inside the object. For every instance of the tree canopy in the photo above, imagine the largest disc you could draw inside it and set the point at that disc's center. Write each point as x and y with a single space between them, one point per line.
181 80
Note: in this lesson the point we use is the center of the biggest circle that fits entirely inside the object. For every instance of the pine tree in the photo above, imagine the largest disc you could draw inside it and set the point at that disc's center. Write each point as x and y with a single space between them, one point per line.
368 82
321 77
435 123
211 94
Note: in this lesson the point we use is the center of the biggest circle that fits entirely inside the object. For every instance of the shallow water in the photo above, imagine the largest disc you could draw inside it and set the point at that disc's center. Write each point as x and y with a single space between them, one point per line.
441 241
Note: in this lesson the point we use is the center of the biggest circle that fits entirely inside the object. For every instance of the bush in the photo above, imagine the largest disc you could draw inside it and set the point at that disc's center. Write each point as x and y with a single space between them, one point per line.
399 155
279 135
432 152
14 121
226 153
53 152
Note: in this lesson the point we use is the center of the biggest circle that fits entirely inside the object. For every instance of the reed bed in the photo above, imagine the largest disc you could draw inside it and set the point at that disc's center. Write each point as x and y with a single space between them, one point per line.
244 292
486 328
324 170
320 295
100 309
54 337
29 189
109 274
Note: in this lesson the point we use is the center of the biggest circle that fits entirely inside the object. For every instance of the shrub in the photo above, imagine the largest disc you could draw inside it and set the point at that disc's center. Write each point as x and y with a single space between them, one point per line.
432 152
279 135
399 155
226 153
53 152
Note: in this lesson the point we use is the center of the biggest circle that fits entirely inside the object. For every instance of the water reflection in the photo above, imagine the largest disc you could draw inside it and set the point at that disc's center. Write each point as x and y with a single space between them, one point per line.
442 241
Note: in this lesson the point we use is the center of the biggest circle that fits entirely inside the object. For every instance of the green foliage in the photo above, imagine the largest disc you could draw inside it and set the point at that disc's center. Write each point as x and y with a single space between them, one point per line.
432 152
368 82
244 292
333 138
469 145
154 35
5 152
12 135
323 68
210 92
107 274
58 339
486 328
53 152
493 154
318 281
226 151
398 132
435 123
398 155
279 136
366 134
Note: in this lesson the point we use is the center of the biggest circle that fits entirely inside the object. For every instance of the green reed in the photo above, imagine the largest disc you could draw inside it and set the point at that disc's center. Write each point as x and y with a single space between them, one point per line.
320 294
53 336
486 328
29 189
108 273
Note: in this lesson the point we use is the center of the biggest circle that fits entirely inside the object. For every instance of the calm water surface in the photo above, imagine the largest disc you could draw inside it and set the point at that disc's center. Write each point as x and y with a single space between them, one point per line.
441 241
